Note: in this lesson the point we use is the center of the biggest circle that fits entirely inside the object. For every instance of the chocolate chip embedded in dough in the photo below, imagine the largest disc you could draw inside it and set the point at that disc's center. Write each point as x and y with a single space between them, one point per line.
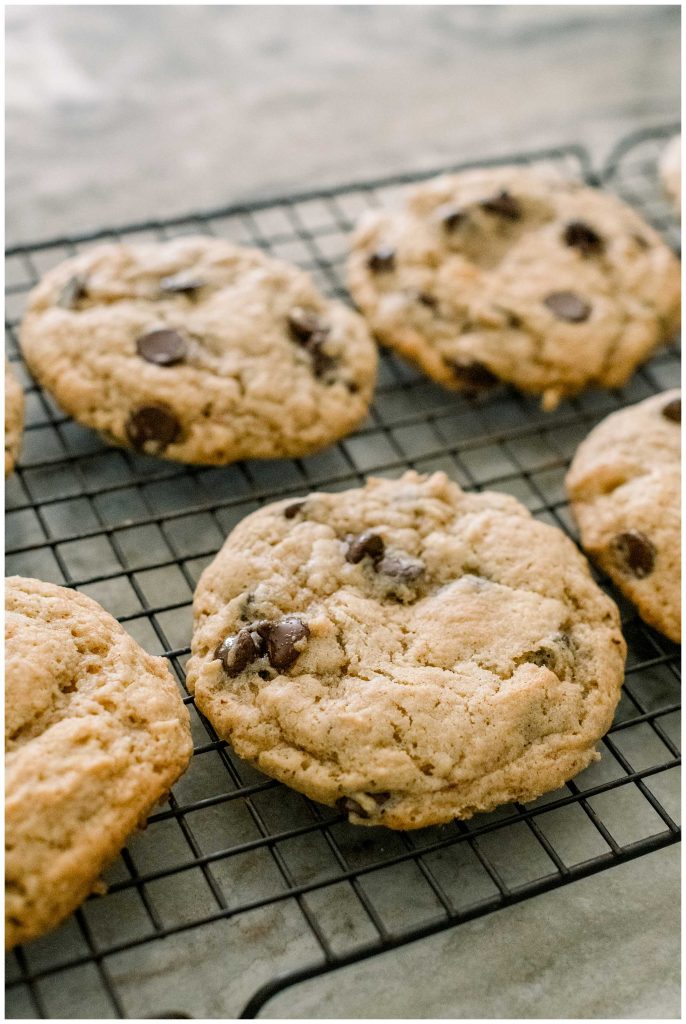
152 428
347 805
634 553
163 347
366 543
503 205
568 306
282 637
382 260
580 235
471 374
236 652
401 567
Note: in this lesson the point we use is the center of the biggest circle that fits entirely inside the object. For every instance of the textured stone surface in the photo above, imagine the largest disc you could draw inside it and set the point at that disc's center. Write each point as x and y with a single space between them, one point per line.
123 113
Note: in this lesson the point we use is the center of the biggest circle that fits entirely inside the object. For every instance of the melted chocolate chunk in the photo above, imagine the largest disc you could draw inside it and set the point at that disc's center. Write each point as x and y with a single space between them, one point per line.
634 553
568 306
73 292
503 205
291 511
163 347
281 638
152 428
402 568
472 375
347 805
367 543
181 284
672 411
304 323
382 259
581 236
236 652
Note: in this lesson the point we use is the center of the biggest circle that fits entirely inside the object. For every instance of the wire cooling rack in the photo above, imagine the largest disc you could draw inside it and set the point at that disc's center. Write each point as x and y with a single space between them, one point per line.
240 887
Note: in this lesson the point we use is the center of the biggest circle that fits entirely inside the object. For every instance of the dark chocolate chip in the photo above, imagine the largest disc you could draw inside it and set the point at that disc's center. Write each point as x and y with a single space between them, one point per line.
281 640
382 259
380 798
634 553
180 284
163 347
347 805
291 511
568 306
450 216
672 411
73 292
427 300
367 543
503 205
581 236
472 375
303 323
404 569
322 363
236 652
152 428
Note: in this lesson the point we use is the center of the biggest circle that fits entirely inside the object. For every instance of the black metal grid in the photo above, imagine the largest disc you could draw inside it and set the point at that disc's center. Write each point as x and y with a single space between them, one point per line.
234 859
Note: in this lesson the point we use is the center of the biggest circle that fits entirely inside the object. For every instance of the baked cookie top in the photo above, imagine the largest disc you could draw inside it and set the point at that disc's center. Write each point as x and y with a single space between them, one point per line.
408 652
14 417
670 170
95 734
625 487
519 275
199 350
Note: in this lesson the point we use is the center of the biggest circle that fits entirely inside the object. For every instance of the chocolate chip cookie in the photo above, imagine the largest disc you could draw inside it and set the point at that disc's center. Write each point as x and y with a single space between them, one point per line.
95 734
515 274
14 418
407 652
625 489
670 170
198 350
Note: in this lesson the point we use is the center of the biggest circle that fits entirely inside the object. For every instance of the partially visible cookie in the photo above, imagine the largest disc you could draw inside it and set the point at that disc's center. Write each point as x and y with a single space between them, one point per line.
625 487
95 734
199 350
515 274
670 170
406 651
14 418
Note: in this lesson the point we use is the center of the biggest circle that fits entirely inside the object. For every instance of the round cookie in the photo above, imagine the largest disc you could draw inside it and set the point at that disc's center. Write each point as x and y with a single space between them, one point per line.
670 170
407 652
95 734
625 487
199 350
14 418
515 274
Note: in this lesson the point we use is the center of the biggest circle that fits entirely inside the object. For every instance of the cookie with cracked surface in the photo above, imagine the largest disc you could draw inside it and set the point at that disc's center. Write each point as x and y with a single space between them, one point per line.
198 350
95 734
625 487
670 170
407 652
518 275
14 418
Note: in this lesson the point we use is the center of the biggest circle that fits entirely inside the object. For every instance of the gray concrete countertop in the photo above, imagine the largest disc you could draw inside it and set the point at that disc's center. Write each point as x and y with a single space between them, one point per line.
119 114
